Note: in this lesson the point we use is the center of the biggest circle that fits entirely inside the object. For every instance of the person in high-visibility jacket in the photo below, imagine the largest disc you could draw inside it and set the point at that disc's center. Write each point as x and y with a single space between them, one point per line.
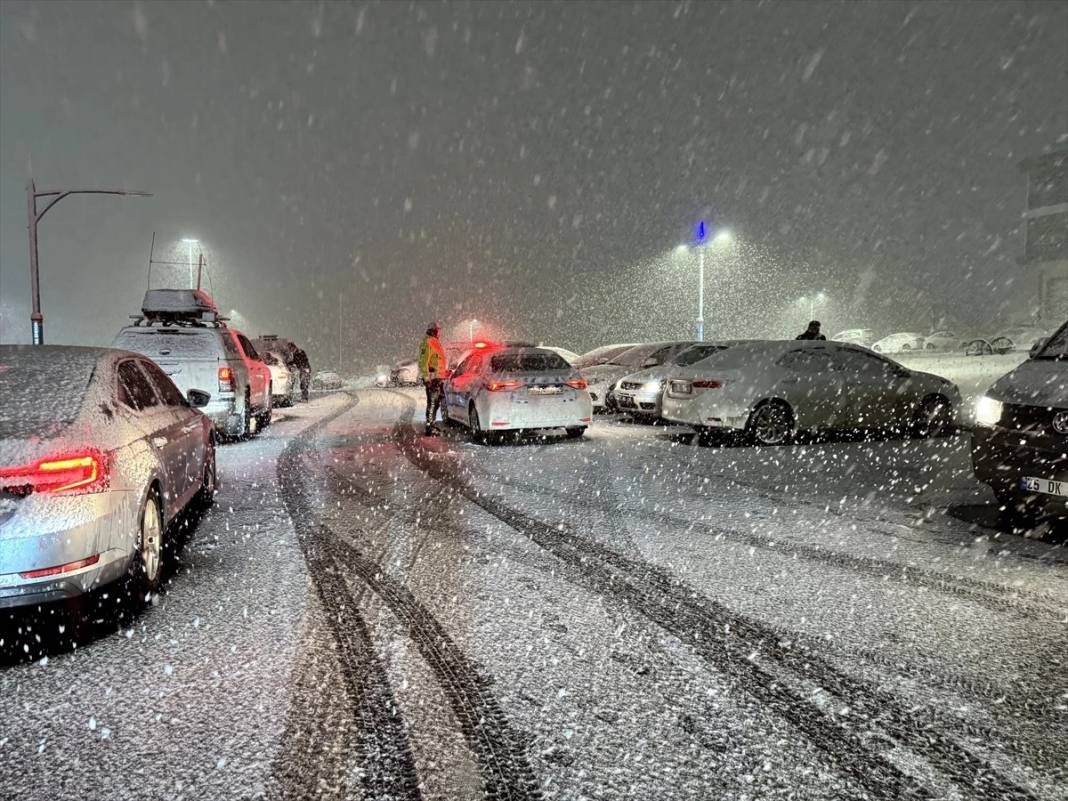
433 370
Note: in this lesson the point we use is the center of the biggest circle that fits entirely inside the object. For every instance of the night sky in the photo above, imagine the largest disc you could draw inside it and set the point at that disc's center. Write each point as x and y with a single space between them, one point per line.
530 165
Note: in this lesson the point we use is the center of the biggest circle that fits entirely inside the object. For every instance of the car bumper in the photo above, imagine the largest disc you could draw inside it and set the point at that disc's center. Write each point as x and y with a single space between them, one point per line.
700 412
637 401
226 416
503 414
1001 458
91 526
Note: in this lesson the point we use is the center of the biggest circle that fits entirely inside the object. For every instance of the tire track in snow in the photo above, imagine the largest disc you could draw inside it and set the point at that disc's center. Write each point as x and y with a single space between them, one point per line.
752 655
380 744
504 769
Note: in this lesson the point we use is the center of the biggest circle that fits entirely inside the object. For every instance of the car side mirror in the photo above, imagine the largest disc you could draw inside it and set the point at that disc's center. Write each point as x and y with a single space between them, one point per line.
198 398
1039 344
651 362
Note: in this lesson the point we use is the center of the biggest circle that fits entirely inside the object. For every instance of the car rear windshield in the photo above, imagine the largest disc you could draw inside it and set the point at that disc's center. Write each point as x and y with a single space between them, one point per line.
43 385
527 362
173 343
599 356
1056 347
634 357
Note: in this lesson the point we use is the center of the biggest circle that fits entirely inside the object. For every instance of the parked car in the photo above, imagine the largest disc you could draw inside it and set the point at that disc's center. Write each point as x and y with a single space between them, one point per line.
944 340
180 330
500 389
404 373
1020 439
1020 337
567 355
285 381
600 355
325 379
602 377
770 390
855 336
899 343
641 394
99 453
381 378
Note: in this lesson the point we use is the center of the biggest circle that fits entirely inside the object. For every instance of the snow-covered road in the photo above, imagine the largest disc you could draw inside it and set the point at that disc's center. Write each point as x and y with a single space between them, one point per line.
369 613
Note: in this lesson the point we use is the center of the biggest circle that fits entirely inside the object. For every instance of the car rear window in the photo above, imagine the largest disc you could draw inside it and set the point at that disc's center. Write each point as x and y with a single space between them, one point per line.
1056 346
43 386
527 362
176 344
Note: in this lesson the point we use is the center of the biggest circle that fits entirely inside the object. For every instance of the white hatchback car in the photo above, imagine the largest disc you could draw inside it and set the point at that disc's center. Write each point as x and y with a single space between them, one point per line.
855 336
900 342
773 389
640 394
511 389
285 381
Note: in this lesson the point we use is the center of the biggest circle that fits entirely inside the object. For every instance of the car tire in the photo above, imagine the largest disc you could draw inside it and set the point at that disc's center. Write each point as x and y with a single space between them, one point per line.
246 418
931 346
906 346
770 423
934 416
575 432
474 425
263 419
147 566
209 483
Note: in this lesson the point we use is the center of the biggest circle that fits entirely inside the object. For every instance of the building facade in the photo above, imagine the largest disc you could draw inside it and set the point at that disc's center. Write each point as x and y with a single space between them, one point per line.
1046 232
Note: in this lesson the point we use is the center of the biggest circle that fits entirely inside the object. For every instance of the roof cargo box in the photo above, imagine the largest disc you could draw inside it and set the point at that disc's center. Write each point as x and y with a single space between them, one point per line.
179 304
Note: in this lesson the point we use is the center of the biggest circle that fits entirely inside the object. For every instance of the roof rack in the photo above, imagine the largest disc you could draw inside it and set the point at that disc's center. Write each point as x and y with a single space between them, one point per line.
182 307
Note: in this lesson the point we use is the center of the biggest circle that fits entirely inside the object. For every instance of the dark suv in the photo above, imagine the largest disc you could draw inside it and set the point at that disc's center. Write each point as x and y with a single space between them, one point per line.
1020 441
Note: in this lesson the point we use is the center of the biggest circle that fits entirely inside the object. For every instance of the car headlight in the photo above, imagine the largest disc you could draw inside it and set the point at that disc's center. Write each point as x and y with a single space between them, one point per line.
988 411
653 386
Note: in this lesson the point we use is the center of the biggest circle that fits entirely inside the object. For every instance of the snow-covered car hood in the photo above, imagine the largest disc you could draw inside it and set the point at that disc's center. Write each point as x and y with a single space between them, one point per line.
1041 382
650 374
604 373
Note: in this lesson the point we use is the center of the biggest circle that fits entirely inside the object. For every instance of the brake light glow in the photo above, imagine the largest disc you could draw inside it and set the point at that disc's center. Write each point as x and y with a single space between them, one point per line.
481 345
226 379
504 386
67 568
577 383
80 472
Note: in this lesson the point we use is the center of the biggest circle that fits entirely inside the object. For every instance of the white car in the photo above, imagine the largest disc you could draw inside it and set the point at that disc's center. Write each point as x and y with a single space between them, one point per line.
405 373
568 356
602 378
640 394
899 343
855 336
944 340
508 389
772 389
1019 337
100 454
326 379
592 358
285 381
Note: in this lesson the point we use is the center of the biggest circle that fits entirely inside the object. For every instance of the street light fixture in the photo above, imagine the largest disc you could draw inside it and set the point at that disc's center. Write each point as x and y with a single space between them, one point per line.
722 238
818 298
34 217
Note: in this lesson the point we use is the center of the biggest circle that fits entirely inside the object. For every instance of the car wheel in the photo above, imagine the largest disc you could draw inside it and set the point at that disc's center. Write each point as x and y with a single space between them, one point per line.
576 432
934 416
475 425
906 346
931 346
246 418
771 423
148 557
263 419
209 484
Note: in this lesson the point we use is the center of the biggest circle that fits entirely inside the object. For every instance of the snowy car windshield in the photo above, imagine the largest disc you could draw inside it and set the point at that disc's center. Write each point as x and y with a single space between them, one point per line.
1056 347
696 353
43 385
527 362
600 356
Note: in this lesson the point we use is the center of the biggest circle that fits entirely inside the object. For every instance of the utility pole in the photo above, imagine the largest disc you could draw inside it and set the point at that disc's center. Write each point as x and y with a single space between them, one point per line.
33 218
339 332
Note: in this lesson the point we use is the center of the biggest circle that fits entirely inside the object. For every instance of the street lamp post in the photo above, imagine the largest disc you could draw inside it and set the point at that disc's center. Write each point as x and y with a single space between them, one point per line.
812 300
721 238
34 217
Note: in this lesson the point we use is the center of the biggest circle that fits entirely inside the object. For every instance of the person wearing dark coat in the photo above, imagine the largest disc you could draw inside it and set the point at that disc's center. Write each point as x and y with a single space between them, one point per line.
298 360
812 332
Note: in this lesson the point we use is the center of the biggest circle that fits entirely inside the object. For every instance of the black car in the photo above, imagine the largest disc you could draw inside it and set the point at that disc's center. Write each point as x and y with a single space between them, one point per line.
1020 441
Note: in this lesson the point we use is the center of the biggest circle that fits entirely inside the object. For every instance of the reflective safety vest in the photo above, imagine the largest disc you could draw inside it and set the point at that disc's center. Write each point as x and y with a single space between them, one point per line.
431 358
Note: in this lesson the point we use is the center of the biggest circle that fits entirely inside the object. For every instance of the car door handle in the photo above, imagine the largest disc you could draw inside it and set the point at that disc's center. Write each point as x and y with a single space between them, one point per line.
159 442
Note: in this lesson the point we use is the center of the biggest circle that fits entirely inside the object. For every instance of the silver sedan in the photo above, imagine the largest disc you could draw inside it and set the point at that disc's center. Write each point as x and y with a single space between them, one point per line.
99 453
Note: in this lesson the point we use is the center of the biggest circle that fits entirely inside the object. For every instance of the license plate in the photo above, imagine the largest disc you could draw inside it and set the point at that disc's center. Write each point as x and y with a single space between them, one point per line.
545 390
1046 486
625 400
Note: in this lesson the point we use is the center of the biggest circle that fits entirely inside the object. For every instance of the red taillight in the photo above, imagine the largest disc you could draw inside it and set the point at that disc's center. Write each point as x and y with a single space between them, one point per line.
481 345
577 383
67 568
226 379
80 472
504 386
710 384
